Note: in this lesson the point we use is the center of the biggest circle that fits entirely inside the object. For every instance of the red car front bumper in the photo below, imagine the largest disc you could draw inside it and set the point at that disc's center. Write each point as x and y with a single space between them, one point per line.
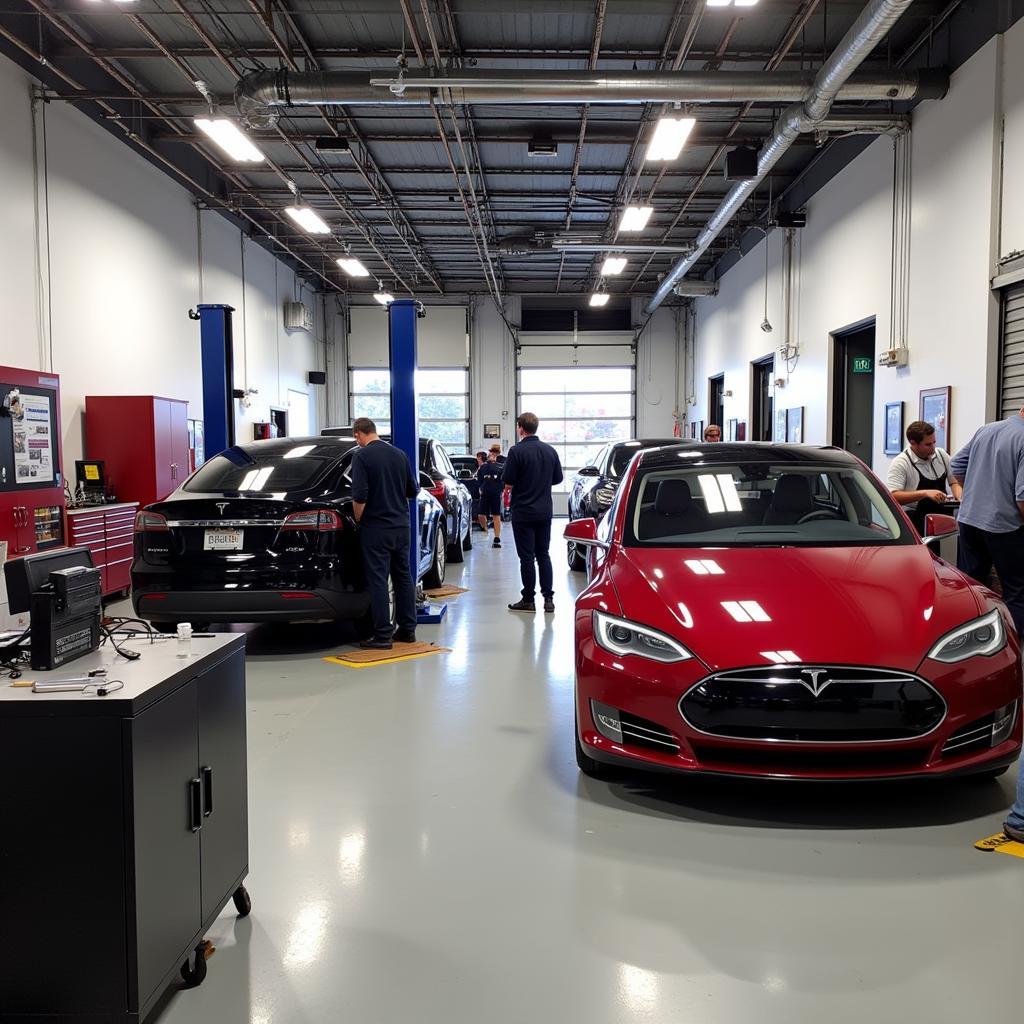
655 735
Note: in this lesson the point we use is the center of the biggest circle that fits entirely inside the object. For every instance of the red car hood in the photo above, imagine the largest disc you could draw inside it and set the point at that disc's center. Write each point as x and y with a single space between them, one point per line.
732 607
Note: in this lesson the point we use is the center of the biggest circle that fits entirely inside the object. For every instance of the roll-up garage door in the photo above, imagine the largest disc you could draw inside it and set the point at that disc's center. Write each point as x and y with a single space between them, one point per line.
583 389
1012 368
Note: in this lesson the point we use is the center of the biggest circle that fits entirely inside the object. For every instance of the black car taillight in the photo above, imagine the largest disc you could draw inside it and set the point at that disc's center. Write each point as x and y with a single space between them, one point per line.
321 520
150 522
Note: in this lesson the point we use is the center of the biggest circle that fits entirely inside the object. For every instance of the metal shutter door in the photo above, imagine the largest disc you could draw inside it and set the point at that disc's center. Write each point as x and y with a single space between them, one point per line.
1011 395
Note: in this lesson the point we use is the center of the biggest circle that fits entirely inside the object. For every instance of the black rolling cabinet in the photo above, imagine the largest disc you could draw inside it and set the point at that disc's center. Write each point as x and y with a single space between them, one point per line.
123 831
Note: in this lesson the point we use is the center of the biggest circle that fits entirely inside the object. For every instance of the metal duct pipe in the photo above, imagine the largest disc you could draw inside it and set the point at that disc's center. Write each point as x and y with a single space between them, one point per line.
865 34
689 289
284 88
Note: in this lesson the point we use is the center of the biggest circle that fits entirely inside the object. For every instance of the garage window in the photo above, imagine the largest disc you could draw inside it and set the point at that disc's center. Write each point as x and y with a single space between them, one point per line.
442 403
581 409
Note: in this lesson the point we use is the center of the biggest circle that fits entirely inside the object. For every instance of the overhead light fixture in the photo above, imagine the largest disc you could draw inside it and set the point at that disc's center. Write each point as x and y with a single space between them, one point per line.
541 147
669 137
729 3
383 297
353 267
308 219
613 265
635 218
599 299
230 138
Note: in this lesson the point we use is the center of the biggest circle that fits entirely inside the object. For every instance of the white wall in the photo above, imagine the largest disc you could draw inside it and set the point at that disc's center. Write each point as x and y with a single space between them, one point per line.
844 267
106 304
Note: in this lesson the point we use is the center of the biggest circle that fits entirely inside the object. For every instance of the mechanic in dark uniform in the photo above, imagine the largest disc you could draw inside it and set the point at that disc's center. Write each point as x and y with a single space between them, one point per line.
919 477
531 470
489 480
383 484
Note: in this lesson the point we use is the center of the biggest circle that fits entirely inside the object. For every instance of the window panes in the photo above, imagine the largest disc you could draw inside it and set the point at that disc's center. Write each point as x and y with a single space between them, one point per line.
442 403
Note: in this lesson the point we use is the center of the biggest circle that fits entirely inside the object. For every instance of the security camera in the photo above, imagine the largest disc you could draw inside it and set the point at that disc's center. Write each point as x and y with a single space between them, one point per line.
766 326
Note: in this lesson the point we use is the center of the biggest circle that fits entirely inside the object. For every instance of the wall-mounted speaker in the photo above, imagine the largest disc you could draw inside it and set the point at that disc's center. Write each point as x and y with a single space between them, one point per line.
316 377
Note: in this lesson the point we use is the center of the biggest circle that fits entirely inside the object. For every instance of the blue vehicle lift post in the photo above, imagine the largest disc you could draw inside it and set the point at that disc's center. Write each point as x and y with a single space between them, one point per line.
402 315
218 364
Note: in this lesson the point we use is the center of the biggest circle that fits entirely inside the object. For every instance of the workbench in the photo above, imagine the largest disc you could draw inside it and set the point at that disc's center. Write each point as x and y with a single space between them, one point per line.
123 829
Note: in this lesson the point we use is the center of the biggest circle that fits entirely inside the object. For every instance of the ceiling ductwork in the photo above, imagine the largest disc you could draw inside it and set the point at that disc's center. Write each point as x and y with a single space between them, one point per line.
867 32
261 91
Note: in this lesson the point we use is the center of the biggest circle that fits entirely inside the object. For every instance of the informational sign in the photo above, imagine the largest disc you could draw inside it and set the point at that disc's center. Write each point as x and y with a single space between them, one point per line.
33 442
862 364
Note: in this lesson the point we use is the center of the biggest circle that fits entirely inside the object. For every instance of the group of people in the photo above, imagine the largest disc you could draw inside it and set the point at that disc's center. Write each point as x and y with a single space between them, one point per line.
383 484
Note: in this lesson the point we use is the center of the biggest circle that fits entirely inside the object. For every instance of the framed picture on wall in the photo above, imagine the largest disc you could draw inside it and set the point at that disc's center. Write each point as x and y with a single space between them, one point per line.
795 425
700 430
934 409
731 436
693 430
492 431
893 428
780 426
741 430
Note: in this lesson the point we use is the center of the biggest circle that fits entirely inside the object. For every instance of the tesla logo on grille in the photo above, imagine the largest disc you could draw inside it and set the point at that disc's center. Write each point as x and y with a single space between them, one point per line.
222 505
816 684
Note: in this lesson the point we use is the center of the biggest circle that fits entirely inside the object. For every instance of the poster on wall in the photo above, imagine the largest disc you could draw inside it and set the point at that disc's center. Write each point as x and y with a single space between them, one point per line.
795 425
935 410
893 428
780 426
33 442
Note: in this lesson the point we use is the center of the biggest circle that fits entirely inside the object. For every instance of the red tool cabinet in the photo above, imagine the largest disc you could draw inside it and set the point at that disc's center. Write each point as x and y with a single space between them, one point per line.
108 532
143 442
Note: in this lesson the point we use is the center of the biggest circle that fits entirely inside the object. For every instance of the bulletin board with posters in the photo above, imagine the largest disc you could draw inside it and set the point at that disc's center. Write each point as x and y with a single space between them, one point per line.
29 438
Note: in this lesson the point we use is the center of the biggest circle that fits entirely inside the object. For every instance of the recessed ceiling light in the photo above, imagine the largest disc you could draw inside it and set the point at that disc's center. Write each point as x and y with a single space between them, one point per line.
308 219
669 137
613 265
230 138
599 299
353 267
635 218
384 298
729 3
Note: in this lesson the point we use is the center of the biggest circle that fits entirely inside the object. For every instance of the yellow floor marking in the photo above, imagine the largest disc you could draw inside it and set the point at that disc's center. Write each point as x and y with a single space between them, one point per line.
1001 843
400 652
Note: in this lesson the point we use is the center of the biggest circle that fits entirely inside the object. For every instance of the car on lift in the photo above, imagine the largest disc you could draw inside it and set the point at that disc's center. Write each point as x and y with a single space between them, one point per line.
768 610
593 489
264 531
438 476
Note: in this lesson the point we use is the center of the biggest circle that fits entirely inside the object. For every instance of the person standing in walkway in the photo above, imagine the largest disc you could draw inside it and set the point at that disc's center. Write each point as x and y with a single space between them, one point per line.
531 469
383 484
990 468
488 478
919 475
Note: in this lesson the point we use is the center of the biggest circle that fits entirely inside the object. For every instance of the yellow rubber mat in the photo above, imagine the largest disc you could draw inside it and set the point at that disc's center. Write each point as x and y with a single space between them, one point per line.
1001 843
399 652
447 591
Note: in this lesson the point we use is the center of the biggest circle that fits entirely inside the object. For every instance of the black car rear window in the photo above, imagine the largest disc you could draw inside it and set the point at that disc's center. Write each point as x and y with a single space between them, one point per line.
282 470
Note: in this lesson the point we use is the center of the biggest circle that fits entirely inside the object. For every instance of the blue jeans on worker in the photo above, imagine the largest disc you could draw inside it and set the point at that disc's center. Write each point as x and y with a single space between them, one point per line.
980 550
533 538
386 555
1015 819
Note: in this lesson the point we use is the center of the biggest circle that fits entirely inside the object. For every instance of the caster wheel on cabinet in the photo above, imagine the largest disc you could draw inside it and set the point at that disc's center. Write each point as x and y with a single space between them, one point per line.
243 902
195 974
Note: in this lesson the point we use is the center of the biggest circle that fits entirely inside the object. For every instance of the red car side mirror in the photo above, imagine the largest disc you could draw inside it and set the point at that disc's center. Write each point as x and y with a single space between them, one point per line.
938 525
584 533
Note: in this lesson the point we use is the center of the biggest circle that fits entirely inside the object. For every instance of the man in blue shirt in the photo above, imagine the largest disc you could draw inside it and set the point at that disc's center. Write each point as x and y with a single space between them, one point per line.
532 468
383 484
990 468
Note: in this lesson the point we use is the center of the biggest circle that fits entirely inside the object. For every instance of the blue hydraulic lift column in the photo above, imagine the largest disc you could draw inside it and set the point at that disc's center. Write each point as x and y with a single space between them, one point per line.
218 376
405 434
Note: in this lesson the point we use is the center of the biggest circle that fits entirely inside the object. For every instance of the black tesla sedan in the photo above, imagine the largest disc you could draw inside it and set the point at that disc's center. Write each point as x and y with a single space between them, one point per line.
263 532
593 490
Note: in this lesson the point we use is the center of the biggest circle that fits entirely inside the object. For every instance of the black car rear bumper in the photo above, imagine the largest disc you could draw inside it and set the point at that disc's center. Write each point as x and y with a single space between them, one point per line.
248 605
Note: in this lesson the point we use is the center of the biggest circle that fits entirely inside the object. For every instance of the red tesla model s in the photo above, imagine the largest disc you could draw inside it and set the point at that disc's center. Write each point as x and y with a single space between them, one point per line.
768 610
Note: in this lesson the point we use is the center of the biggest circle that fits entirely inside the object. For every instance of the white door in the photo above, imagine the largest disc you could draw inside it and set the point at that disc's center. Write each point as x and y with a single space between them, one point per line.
298 414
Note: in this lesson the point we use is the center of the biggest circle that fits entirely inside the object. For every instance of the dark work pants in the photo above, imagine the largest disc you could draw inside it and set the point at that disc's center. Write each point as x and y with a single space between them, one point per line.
980 550
386 554
532 542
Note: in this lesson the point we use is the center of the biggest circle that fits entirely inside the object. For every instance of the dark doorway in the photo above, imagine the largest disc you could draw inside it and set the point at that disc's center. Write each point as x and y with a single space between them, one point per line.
762 407
853 389
279 417
716 405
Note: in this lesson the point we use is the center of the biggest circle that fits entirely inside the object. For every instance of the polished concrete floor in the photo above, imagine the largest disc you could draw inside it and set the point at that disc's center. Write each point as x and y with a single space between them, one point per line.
423 850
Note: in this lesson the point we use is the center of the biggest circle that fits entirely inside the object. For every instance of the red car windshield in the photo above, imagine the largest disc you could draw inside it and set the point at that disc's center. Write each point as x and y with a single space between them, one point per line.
761 505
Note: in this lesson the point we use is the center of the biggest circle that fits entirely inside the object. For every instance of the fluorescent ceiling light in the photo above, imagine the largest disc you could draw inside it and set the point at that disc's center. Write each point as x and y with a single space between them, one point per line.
308 219
613 265
384 297
231 139
635 218
729 3
669 137
599 299
353 267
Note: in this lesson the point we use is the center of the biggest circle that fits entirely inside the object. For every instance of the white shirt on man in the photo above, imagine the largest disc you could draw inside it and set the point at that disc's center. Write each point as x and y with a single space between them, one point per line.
904 472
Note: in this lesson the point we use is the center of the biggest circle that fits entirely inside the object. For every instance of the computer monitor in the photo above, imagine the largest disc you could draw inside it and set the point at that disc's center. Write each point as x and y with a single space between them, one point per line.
29 573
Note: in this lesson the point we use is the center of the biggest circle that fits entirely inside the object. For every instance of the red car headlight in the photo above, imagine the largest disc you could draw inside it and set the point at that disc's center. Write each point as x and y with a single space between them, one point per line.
620 636
980 636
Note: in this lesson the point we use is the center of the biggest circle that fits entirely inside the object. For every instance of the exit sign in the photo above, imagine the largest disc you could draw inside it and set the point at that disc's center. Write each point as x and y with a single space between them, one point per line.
862 364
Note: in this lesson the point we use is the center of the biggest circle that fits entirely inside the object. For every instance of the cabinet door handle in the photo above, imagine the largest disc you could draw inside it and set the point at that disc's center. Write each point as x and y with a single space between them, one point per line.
195 793
207 774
